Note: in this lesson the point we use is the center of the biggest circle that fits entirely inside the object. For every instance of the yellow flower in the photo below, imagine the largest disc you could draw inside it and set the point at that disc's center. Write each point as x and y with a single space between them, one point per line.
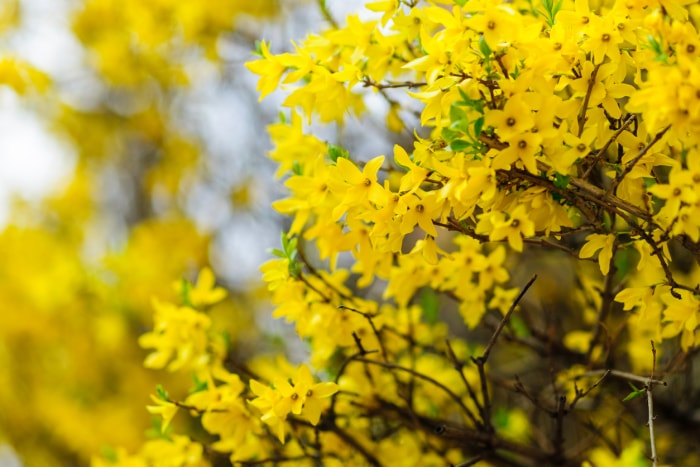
603 242
513 226
419 211
503 299
179 334
270 70
205 291
521 147
298 396
357 186
165 409
498 24
515 118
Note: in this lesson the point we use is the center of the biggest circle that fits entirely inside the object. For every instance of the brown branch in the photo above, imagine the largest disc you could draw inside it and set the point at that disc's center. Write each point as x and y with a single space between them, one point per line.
427 378
586 99
628 168
485 356
368 82
368 317
606 303
650 408
459 367
481 360
558 454
272 460
580 394
628 121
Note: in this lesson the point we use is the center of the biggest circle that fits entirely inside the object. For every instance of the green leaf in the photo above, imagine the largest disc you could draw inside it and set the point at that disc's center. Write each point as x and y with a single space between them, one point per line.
110 454
430 303
519 327
501 418
258 48
334 152
460 145
636 392
478 125
649 182
625 261
162 393
561 181
450 135
461 2
199 385
289 245
185 292
467 101
156 432
484 47
557 7
458 117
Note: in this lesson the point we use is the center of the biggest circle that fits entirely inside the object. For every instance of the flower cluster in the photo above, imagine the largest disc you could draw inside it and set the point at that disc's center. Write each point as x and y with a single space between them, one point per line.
553 125
560 136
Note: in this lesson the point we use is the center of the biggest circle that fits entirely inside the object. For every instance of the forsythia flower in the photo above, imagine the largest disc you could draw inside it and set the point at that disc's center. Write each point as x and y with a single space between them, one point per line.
165 409
205 291
513 227
300 396
179 333
606 245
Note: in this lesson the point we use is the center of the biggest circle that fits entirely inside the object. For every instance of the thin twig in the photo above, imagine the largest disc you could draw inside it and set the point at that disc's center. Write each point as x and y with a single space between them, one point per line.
558 454
580 394
427 378
628 168
505 319
368 317
459 366
327 14
606 303
650 406
271 460
628 121
586 99
625 375
481 361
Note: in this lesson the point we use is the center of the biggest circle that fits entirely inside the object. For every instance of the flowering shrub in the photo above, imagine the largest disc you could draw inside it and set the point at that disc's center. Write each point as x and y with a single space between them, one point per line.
553 137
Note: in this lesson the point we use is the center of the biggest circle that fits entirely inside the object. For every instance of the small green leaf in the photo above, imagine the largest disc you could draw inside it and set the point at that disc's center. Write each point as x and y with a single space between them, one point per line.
450 135
185 292
484 47
478 125
557 7
258 48
199 385
110 454
467 101
334 152
430 303
519 327
636 392
561 181
162 393
460 145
